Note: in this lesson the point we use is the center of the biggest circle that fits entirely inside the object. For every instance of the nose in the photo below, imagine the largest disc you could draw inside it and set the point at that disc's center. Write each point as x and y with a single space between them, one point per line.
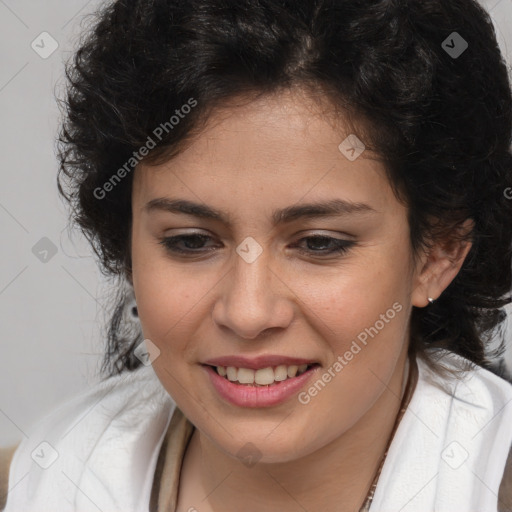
253 299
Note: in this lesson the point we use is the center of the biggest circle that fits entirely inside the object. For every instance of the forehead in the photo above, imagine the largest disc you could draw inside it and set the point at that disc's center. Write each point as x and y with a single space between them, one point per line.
286 146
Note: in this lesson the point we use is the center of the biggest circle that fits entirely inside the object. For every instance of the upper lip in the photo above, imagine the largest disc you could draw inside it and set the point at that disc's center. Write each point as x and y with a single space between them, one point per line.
255 363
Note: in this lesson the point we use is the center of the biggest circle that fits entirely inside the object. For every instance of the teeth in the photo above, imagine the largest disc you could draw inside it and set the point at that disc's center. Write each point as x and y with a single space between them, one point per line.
263 376
292 370
281 373
246 376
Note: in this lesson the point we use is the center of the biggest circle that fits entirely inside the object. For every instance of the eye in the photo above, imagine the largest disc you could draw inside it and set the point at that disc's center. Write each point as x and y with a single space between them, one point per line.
325 245
193 243
316 245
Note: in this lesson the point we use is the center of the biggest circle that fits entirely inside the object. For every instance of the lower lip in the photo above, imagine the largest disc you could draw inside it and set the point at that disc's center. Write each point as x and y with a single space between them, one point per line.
243 395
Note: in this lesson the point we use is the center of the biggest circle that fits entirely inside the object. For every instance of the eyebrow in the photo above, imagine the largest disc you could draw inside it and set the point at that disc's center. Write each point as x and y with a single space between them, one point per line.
333 207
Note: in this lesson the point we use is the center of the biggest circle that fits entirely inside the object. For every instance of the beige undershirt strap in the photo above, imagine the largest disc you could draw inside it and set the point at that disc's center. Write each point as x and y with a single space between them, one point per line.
164 495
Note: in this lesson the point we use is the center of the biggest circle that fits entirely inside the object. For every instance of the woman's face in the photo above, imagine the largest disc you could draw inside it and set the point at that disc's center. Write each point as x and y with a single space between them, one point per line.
253 283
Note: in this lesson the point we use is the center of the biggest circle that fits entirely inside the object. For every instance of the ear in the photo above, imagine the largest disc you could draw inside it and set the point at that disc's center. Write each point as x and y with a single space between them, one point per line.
439 265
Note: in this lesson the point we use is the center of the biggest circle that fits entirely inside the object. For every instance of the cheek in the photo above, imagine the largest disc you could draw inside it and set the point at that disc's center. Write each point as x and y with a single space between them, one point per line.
357 298
362 318
166 301
164 295
173 301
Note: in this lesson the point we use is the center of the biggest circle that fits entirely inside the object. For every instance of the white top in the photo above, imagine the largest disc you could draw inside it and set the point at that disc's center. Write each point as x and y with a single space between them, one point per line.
99 450
451 446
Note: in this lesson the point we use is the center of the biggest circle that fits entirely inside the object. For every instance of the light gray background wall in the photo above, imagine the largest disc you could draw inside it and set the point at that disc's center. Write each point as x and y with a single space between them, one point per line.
50 312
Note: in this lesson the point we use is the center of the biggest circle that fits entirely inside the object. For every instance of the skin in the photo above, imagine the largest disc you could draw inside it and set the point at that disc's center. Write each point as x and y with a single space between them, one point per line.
252 158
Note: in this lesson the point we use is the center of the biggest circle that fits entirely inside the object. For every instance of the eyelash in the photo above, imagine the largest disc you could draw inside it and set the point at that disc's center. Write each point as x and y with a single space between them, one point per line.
342 246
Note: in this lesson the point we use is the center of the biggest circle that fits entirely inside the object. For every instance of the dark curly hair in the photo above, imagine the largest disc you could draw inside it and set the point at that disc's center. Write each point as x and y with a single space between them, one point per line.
442 123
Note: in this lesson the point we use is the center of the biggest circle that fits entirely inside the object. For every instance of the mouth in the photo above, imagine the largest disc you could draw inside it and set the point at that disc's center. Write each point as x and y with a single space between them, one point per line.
263 377
264 386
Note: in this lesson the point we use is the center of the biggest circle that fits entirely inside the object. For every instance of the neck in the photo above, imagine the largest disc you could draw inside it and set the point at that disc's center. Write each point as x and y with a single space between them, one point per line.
336 477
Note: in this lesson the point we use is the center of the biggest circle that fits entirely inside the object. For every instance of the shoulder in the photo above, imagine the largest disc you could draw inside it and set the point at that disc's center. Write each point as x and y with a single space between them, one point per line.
487 390
6 455
118 418
482 385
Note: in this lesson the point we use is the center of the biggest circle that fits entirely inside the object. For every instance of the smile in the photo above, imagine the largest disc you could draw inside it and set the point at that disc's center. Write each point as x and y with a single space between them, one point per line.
262 377
265 387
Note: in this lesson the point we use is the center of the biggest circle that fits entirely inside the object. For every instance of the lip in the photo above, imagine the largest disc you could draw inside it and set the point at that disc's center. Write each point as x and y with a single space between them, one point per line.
256 363
243 395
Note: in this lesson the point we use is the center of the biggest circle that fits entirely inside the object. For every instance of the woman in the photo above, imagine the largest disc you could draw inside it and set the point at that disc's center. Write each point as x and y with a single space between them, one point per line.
308 200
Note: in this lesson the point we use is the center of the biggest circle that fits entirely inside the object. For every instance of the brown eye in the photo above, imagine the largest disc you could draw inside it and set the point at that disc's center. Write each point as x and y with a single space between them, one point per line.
326 245
192 243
